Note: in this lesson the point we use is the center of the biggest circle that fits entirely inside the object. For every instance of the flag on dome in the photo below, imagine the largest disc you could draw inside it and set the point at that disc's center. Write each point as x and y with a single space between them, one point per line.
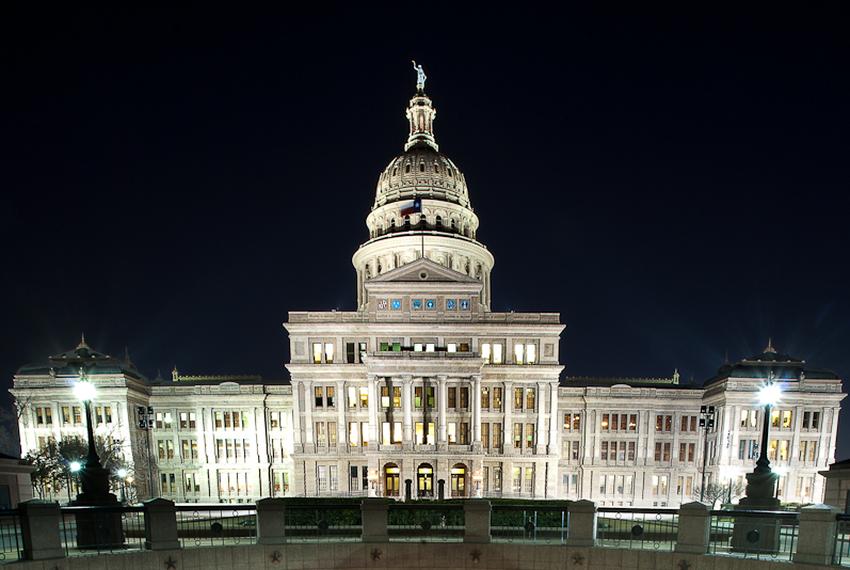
412 207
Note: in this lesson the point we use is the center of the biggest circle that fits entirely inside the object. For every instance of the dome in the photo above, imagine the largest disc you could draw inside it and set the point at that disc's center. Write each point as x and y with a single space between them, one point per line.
423 172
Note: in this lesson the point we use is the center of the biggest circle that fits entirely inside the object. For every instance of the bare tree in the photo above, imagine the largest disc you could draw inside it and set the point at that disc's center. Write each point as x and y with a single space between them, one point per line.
718 493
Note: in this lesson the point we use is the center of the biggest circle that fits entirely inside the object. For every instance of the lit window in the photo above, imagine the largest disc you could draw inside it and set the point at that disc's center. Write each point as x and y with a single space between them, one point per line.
497 353
531 353
451 347
430 304
416 304
317 353
451 304
464 304
430 347
329 352
518 353
485 351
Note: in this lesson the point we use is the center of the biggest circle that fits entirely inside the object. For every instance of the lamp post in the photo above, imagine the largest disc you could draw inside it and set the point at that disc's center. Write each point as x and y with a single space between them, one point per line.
706 422
122 474
94 479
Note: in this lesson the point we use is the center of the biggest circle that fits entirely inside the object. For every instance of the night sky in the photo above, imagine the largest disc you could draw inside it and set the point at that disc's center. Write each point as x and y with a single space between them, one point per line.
674 185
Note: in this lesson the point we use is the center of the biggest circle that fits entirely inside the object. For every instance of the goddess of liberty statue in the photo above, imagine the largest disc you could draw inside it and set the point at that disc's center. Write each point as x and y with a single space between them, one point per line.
420 76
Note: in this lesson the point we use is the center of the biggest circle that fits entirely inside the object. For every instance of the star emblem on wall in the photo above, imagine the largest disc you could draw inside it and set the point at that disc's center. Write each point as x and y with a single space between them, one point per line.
476 556
578 559
170 564
684 565
376 554
276 557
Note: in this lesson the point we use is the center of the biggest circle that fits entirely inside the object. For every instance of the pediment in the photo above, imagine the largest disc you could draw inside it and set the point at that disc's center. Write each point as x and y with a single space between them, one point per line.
423 271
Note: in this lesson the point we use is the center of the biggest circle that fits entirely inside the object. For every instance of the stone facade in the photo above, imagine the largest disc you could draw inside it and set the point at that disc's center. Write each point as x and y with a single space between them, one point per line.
424 383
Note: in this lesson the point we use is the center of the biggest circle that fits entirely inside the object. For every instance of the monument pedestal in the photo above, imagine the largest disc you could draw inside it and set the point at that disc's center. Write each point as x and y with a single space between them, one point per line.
757 534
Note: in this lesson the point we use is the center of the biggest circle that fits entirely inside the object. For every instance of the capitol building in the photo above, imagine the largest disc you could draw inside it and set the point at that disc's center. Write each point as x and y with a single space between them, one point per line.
424 387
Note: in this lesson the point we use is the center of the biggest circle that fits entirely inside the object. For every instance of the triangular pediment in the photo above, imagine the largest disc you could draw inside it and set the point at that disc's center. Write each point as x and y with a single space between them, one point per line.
423 271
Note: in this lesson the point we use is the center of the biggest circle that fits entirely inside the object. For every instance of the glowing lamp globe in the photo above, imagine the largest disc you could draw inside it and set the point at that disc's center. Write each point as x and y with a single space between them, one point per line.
121 473
75 466
770 394
84 391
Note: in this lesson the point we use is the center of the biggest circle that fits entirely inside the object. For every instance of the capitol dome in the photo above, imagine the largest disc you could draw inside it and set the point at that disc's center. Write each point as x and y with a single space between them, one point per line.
422 209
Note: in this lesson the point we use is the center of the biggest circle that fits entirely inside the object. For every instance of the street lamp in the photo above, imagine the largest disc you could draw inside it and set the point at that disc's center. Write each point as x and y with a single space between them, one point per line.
122 474
769 395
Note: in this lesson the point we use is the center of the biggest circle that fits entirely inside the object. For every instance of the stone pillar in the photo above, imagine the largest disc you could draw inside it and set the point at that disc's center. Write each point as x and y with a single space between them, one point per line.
407 406
476 524
308 418
374 513
442 405
508 429
40 524
160 525
554 425
341 426
582 523
540 443
476 412
374 405
271 515
694 526
816 538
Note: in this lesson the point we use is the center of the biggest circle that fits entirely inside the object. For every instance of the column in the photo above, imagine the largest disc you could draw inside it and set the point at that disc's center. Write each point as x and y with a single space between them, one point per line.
341 426
308 417
442 405
540 447
508 430
374 403
554 427
476 412
407 406
296 417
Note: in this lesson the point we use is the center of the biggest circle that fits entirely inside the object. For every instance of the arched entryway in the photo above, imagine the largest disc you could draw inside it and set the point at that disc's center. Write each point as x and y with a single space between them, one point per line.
392 476
458 482
425 480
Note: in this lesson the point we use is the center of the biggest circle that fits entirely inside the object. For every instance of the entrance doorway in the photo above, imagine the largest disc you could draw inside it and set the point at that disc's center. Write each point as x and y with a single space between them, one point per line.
458 480
391 480
425 480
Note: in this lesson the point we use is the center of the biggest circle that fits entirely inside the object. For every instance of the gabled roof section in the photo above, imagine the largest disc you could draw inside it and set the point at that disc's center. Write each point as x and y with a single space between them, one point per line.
423 271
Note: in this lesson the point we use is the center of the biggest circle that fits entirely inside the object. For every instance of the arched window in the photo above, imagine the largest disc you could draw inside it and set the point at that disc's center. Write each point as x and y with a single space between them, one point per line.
450 171
395 171
453 224
407 222
392 225
458 483
437 167
439 222
392 475
407 168
421 167
425 480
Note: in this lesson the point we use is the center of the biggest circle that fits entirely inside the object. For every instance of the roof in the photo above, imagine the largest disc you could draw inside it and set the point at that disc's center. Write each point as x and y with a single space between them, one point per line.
68 363
633 382
771 364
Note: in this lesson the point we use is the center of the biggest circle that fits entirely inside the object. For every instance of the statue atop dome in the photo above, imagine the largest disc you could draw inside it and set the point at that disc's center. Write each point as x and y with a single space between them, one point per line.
420 77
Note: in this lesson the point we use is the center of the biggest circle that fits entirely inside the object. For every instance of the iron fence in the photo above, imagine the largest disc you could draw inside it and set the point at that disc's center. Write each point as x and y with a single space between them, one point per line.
529 523
93 530
216 525
324 522
10 536
636 528
425 522
760 535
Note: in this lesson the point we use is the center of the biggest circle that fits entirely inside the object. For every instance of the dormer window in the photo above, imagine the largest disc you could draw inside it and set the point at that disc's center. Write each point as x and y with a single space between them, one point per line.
421 167
407 168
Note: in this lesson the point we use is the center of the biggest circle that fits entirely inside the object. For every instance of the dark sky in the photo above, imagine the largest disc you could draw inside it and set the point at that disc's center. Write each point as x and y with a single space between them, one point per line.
675 185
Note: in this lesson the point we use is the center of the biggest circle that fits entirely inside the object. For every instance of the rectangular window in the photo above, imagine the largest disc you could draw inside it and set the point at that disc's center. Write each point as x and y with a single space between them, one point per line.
529 436
518 436
464 433
530 353
631 451
321 434
485 435
529 480
605 421
329 352
364 398
452 397
350 353
385 396
518 353
317 353
517 398
786 419
452 432
66 415
329 391
318 396
353 434
485 351
603 451
529 399
497 353
497 399
78 414
497 436
485 398
464 397
397 397
332 433
633 421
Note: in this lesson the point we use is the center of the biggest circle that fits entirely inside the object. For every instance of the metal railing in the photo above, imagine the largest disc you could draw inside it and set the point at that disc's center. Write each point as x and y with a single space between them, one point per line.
761 535
94 530
529 523
841 553
644 529
10 536
322 522
425 522
216 525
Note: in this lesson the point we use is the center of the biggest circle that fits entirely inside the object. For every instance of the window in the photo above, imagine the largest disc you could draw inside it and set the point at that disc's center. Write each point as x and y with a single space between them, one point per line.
631 451
808 450
603 451
329 391
485 398
321 434
451 429
464 397
66 415
452 400
43 416
572 422
525 353
163 420
518 436
517 398
78 414
485 435
529 399
165 449
688 424
686 452
364 397
385 396
778 449
497 399
390 433
529 480
747 449
188 449
188 420
464 433
659 485
605 421
749 418
423 438
497 436
663 423
396 397
662 451
319 396
529 436
517 480
329 352
491 352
